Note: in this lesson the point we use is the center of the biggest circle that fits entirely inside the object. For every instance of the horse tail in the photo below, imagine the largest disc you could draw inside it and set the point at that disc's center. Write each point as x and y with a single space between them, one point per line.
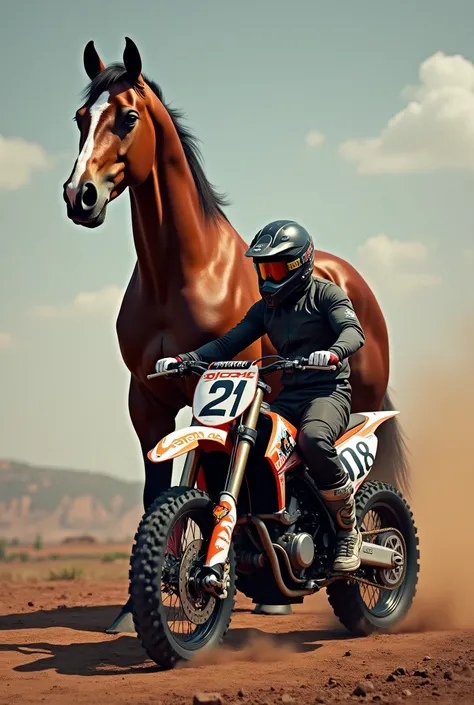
391 462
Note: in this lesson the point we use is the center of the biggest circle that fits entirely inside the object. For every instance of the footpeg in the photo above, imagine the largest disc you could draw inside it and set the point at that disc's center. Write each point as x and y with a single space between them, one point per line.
312 585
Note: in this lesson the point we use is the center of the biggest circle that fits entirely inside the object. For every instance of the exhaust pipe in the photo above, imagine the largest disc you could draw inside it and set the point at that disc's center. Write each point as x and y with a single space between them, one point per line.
370 554
272 557
379 556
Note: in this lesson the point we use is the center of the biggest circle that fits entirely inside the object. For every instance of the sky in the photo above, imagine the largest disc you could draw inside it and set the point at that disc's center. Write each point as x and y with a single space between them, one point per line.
356 119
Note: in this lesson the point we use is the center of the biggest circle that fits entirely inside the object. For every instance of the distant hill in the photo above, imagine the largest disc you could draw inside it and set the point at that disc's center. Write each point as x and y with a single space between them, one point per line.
59 503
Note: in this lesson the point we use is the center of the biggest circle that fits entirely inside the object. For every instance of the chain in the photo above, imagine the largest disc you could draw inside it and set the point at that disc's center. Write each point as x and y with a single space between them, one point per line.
375 532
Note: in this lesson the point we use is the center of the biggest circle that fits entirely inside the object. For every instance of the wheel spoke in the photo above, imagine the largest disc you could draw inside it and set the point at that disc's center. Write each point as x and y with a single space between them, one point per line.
184 620
361 607
379 600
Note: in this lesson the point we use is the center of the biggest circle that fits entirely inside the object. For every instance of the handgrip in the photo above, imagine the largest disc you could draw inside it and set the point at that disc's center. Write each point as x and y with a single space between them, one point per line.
154 375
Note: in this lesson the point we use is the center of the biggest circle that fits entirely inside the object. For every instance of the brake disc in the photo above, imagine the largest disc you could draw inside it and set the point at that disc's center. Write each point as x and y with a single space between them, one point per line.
198 605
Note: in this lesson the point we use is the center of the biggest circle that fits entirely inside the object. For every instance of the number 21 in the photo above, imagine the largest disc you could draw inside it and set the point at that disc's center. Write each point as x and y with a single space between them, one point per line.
211 409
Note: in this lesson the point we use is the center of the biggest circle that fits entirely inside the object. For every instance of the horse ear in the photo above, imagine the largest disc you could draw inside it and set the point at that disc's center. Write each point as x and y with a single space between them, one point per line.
132 60
92 61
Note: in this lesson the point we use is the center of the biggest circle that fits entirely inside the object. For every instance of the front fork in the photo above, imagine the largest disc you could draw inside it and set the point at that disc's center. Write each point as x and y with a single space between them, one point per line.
225 513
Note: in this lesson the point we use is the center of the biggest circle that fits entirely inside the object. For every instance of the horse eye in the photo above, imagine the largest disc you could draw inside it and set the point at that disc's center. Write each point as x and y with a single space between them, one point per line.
131 118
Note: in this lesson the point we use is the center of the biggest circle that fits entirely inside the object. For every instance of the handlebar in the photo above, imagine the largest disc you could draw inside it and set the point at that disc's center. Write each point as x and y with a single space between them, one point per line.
197 367
299 363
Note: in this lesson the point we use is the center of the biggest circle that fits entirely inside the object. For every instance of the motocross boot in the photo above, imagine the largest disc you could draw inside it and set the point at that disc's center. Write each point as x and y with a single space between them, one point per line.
341 505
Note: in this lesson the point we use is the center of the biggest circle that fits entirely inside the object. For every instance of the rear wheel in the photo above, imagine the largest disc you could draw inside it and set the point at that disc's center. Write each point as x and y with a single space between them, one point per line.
364 609
174 618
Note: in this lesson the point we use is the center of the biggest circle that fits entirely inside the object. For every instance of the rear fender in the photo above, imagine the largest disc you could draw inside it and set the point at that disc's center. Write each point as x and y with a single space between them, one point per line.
358 447
184 440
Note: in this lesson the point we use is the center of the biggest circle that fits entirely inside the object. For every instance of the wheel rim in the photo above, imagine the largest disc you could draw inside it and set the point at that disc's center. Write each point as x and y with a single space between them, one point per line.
189 613
379 602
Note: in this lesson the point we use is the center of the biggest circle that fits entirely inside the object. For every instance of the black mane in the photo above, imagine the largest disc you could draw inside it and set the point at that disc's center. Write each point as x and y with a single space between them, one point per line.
211 201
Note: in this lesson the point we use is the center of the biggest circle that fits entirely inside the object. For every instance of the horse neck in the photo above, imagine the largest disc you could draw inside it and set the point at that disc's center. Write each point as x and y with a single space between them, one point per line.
173 237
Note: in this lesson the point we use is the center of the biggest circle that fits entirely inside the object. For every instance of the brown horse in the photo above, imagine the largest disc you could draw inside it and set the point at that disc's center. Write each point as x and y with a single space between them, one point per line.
191 281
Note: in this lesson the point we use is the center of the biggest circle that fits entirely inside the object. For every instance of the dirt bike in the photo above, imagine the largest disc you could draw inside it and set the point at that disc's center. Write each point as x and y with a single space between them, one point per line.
247 510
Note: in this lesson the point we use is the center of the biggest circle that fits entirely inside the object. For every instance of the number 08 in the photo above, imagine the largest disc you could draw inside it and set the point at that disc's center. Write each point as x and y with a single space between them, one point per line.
363 460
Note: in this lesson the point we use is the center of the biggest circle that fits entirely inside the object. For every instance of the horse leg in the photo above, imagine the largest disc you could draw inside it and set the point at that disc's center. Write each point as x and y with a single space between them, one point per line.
151 420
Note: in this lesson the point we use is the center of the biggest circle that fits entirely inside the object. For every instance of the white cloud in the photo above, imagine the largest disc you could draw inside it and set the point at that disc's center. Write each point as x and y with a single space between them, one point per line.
385 263
434 131
104 302
314 138
6 341
391 253
18 160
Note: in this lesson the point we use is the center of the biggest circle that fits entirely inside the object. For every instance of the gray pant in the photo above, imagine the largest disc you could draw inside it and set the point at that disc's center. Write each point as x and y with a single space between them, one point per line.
321 416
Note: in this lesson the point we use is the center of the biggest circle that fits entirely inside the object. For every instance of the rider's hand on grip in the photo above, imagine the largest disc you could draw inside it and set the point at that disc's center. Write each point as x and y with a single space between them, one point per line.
323 358
166 363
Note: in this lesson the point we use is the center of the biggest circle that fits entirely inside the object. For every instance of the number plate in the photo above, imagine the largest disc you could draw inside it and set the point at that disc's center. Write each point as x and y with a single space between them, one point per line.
224 394
357 455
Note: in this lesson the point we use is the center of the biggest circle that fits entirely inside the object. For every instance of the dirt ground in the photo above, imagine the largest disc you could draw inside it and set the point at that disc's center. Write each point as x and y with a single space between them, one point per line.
98 562
53 649
45 571
78 548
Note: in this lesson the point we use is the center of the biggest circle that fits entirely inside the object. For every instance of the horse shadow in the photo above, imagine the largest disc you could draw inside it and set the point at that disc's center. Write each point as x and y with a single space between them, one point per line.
83 619
123 654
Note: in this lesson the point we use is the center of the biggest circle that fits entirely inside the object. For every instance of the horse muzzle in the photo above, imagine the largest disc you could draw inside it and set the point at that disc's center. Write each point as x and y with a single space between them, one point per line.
87 204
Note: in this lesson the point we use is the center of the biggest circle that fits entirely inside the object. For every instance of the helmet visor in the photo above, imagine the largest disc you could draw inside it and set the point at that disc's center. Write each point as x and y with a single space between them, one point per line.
273 270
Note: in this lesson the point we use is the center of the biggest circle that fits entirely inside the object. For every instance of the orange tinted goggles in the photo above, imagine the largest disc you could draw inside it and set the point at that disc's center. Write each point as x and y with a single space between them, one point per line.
273 270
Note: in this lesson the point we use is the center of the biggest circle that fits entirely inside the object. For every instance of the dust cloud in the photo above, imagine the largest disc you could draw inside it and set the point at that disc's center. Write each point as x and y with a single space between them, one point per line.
438 417
257 648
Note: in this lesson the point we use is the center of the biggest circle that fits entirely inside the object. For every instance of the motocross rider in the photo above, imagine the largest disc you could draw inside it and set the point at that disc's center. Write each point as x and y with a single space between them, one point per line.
303 315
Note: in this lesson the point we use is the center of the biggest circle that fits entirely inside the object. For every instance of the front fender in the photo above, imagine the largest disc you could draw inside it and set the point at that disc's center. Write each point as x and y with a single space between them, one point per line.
184 440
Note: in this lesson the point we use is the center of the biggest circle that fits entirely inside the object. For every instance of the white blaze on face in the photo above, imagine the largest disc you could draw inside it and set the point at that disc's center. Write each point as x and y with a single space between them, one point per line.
95 111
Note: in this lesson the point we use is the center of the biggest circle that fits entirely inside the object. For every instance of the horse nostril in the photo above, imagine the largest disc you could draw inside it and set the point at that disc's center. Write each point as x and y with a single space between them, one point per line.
89 195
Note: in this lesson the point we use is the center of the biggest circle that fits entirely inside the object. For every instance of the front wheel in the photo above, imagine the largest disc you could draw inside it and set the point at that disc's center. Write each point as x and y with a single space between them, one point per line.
364 609
173 617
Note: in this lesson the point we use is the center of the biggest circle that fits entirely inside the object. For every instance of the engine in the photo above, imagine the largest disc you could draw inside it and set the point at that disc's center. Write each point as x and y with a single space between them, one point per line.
300 545
299 548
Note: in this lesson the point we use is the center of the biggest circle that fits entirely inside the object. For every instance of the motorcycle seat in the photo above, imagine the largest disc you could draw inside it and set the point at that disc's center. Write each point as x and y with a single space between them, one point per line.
354 421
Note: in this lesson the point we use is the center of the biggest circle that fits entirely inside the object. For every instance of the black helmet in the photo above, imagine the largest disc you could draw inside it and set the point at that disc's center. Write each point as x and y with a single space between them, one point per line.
283 255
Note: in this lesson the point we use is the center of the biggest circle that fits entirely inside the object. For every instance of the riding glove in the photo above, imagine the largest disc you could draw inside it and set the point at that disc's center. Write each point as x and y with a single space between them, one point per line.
164 363
323 358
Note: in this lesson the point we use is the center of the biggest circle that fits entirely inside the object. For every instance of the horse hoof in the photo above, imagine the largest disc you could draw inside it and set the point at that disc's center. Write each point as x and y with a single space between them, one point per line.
123 624
273 609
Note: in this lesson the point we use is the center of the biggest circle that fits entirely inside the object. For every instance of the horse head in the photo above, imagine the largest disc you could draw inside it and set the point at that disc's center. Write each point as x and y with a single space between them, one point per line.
117 136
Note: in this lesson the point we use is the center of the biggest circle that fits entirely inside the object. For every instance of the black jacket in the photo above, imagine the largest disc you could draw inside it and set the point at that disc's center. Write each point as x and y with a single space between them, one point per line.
322 318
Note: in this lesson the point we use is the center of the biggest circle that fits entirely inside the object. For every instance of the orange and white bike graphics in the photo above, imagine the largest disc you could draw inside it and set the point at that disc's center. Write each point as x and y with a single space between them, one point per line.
186 439
221 397
357 448
225 516
281 452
